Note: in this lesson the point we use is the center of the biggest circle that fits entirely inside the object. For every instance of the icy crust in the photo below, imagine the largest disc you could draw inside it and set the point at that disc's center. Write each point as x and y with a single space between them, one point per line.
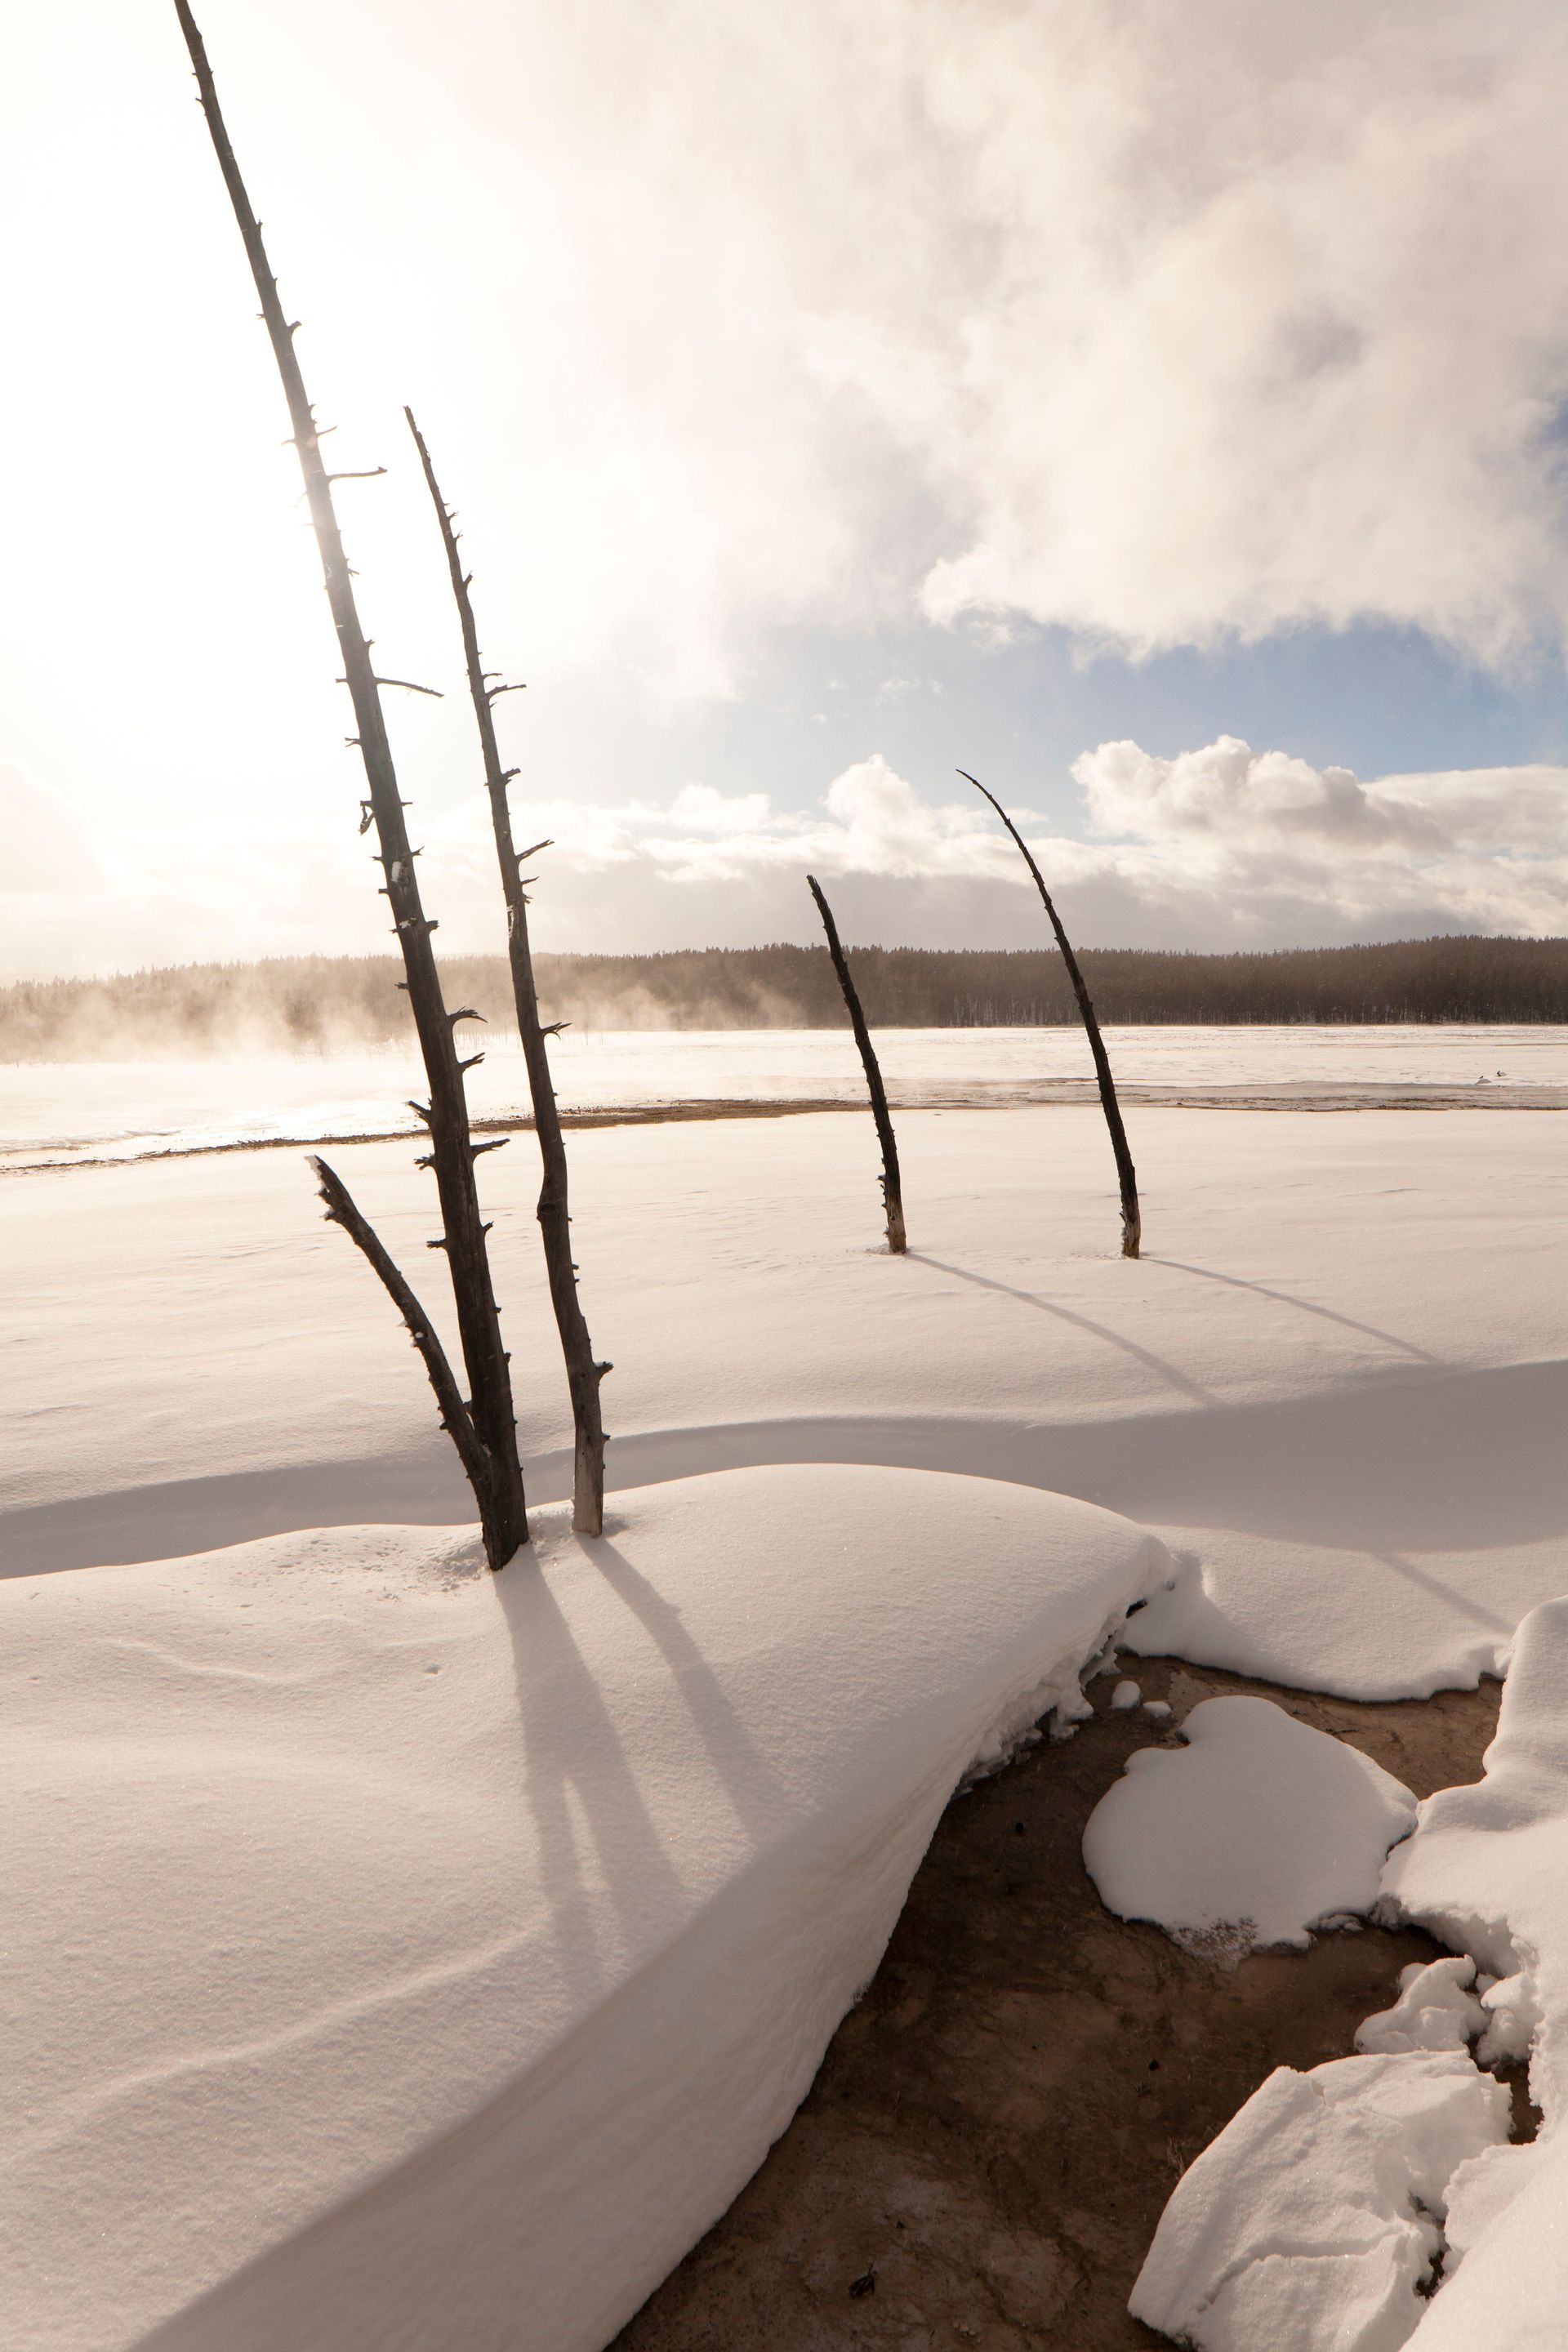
403 1956
1312 2220
1487 1870
1257 1830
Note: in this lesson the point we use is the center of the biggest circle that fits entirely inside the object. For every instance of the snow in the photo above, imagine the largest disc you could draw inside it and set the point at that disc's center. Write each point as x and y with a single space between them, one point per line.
616 1925
1437 2009
1338 1372
66 1111
1125 1695
1309 2223
393 1949
1486 1871
1256 1832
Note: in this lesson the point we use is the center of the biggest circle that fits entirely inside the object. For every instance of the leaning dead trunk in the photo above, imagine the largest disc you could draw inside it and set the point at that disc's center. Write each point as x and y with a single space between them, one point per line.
583 1374
491 1462
892 1191
1132 1220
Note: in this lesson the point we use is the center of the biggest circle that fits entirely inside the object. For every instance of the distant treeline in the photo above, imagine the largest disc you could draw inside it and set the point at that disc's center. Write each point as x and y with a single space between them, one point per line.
328 1003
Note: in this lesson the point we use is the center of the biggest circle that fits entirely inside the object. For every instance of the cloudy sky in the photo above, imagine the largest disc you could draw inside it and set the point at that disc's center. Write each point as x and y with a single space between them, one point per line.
1153 406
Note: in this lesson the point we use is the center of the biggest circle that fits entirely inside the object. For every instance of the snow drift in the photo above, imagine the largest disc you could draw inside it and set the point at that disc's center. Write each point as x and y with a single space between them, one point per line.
1486 1871
1311 2222
399 1951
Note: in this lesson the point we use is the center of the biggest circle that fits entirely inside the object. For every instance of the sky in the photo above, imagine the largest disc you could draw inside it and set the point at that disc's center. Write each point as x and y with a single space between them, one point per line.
1154 406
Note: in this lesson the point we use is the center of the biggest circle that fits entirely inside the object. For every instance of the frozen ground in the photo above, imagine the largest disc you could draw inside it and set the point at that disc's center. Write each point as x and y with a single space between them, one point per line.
95 1110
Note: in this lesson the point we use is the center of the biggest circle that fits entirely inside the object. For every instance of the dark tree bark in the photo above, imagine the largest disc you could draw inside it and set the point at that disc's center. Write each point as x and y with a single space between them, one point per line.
1127 1175
892 1190
493 1464
456 1419
583 1373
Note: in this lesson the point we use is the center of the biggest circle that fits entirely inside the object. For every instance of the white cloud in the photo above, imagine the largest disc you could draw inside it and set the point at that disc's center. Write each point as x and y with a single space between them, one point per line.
1220 847
1264 842
1157 319
1233 793
1160 322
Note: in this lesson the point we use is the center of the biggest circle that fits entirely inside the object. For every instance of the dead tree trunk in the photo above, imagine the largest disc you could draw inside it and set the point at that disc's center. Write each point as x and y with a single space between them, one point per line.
1132 1219
492 1462
892 1190
583 1373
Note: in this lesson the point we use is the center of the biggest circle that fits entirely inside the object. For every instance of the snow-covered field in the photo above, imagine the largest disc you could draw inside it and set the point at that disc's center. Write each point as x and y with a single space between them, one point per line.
94 1110
552 1912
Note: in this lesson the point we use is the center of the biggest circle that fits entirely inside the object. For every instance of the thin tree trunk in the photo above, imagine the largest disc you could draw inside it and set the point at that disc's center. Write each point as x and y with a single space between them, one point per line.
1132 1218
583 1373
493 1466
892 1190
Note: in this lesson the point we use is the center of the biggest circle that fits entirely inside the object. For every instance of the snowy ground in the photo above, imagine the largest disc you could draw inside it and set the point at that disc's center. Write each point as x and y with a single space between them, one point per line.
1331 1385
59 1113
1334 1387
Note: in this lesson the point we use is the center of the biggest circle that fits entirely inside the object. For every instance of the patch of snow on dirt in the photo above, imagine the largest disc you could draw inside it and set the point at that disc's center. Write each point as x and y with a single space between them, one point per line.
1256 1832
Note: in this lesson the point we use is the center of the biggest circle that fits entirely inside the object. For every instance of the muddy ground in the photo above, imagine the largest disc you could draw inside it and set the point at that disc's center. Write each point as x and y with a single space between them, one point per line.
995 2128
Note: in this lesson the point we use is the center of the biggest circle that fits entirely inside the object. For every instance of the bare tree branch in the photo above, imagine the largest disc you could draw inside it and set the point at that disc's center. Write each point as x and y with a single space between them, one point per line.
1127 1175
454 1415
583 1374
893 1188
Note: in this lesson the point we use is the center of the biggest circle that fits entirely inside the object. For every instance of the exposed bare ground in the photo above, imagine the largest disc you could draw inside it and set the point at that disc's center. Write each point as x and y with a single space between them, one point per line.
982 2158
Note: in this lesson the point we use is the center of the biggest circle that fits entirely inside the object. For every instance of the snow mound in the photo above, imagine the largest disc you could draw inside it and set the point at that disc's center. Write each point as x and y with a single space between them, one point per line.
1436 2011
403 1956
1255 1832
1309 2223
1487 1870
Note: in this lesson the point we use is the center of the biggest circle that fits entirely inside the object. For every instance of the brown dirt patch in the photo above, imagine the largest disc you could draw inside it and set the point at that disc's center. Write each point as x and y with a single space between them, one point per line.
995 2128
